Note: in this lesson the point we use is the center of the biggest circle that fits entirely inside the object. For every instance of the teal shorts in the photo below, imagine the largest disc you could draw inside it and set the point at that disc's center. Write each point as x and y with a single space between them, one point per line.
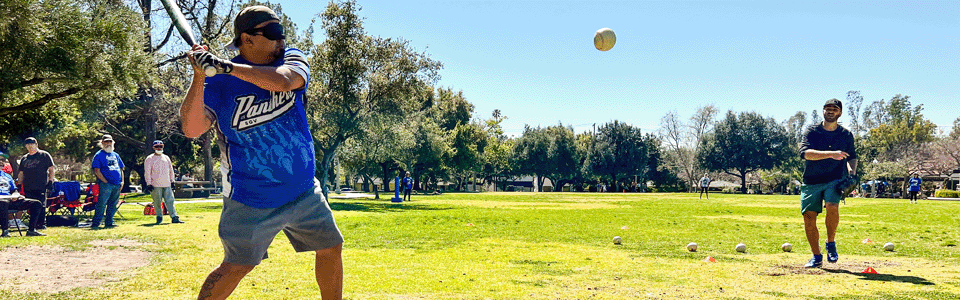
812 196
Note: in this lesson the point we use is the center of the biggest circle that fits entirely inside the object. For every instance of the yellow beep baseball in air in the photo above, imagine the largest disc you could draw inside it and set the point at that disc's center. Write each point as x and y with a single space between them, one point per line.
604 39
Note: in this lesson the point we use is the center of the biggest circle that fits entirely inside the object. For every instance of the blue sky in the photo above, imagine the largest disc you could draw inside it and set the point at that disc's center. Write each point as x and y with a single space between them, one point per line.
535 60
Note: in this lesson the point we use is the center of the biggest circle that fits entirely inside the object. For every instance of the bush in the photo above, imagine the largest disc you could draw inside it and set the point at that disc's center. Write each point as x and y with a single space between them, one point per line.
946 194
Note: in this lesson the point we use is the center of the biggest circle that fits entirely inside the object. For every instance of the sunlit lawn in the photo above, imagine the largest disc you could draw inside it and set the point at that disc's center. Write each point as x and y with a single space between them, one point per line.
558 246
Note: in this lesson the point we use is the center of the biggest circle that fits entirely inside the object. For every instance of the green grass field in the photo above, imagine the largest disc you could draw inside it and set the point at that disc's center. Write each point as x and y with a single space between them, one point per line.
557 246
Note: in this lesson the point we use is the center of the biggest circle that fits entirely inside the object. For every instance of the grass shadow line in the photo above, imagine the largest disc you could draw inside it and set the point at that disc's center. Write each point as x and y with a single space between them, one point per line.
385 207
884 277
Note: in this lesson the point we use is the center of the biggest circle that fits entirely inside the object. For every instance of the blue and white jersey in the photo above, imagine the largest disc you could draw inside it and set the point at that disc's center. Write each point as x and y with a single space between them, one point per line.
266 147
915 184
7 185
110 165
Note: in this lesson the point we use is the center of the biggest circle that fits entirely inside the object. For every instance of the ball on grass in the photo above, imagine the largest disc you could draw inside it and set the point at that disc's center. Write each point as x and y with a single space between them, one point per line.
889 246
741 247
692 247
786 247
617 240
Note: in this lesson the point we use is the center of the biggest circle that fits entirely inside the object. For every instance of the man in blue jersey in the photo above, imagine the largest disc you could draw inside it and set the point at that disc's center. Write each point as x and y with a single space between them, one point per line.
407 183
829 157
914 187
108 168
256 103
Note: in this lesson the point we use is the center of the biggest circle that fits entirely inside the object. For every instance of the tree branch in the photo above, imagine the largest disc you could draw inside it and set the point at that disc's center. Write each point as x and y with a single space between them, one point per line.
35 104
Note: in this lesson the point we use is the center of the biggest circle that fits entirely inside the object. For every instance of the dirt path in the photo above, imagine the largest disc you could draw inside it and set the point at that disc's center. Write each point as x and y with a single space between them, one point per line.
51 269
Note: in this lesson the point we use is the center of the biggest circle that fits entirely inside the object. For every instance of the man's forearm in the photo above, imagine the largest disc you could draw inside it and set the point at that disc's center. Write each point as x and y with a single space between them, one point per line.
811 154
96 172
277 79
192 118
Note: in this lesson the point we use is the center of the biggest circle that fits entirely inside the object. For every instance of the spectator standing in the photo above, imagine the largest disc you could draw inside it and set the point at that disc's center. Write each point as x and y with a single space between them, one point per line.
108 167
407 182
36 176
158 172
915 187
705 186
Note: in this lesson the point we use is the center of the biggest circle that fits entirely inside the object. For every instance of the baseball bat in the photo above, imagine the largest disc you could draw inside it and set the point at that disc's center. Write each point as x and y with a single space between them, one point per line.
180 22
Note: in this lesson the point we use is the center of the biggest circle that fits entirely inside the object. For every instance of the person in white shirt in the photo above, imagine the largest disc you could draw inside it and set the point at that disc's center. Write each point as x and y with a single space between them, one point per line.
158 172
705 186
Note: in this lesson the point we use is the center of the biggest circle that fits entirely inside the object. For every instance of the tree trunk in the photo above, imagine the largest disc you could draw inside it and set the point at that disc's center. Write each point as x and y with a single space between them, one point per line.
376 191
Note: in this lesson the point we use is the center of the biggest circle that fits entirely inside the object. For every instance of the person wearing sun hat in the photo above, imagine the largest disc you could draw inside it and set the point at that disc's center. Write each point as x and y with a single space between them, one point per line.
108 167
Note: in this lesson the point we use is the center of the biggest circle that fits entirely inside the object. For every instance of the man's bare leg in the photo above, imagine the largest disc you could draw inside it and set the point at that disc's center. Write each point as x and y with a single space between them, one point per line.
832 220
329 272
813 235
223 280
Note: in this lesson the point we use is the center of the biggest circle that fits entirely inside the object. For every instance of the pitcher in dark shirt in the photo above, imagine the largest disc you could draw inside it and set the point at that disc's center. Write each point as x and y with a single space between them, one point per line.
828 151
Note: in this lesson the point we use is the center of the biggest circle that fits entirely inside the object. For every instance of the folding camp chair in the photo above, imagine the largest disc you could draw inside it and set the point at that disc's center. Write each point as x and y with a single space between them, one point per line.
23 220
90 201
67 198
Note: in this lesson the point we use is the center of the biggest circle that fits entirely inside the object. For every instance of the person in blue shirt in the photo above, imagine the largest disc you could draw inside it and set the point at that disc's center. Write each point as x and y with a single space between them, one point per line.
10 199
255 104
915 187
407 183
108 167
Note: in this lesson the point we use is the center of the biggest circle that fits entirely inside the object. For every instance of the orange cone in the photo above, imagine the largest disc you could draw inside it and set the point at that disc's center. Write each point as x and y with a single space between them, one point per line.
869 270
709 259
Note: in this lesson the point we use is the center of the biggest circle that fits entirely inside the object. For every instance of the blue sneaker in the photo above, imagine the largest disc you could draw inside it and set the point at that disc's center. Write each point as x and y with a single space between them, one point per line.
832 256
815 262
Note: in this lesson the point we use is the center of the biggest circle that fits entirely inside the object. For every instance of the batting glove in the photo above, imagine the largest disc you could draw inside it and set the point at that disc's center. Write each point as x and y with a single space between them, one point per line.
205 59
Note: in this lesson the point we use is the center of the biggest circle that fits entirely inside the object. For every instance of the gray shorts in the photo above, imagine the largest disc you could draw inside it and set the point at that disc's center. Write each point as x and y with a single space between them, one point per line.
246 232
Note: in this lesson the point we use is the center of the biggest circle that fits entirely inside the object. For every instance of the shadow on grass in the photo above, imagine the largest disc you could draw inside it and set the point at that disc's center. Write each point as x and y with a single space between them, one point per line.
883 277
384 207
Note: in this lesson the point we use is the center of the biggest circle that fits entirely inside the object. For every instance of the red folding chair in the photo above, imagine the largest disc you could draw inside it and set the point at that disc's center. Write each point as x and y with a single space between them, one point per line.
90 201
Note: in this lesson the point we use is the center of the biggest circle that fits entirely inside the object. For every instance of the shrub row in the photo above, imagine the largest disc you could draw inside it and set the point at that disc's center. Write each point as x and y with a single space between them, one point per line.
946 194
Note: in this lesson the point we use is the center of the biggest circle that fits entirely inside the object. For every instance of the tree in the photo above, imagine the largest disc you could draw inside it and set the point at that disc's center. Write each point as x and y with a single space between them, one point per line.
955 133
901 128
531 154
356 77
854 102
618 151
682 142
744 143
468 145
64 57
496 157
679 155
562 155
702 123
377 152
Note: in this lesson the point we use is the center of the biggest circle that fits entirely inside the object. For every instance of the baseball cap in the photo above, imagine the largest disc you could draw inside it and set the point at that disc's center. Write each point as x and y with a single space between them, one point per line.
247 19
834 102
158 143
30 140
107 137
